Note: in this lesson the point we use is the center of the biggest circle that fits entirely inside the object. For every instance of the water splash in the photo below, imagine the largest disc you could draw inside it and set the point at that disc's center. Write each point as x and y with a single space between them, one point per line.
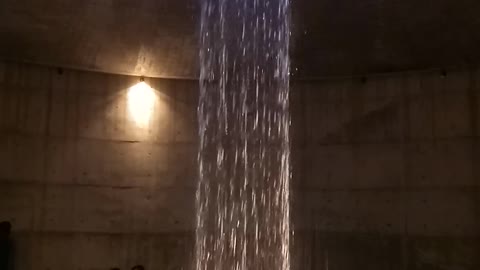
243 192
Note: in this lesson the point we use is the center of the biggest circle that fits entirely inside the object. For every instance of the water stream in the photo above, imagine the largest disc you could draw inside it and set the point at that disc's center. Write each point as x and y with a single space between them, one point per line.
243 194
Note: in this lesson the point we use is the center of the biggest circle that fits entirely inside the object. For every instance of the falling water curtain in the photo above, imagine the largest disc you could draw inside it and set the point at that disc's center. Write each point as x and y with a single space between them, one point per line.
243 193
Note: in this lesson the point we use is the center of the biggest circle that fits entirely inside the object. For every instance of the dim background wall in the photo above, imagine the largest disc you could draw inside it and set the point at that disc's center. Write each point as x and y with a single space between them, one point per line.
387 169
384 171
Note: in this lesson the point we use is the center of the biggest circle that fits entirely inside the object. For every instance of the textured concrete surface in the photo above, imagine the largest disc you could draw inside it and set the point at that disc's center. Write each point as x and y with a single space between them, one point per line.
387 173
83 186
158 37
384 170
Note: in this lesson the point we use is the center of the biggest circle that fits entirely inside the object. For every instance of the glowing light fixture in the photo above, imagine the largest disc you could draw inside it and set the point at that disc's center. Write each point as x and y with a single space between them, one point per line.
141 101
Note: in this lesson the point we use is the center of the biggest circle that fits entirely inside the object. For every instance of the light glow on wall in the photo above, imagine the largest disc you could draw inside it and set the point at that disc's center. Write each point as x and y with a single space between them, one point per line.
141 102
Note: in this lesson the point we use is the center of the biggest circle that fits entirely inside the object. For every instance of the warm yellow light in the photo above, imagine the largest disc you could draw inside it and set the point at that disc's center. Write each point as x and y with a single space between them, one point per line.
141 101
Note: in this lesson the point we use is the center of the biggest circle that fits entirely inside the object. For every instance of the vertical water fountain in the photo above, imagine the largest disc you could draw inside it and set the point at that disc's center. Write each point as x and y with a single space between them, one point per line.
243 210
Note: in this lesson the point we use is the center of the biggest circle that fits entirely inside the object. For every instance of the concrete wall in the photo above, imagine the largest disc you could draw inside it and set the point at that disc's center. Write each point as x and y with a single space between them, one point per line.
82 184
387 169
384 171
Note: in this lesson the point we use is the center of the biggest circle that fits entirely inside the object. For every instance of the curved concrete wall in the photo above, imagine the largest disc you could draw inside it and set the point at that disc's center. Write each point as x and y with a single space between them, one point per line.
384 170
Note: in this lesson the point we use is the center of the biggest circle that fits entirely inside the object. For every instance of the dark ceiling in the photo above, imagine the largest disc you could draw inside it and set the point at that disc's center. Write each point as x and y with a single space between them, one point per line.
159 37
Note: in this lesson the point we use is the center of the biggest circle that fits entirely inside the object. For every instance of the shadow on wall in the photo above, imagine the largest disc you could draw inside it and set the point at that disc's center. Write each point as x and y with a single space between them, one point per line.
5 245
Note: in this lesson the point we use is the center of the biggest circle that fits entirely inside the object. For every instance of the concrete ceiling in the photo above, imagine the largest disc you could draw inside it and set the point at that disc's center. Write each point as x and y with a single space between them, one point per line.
159 37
